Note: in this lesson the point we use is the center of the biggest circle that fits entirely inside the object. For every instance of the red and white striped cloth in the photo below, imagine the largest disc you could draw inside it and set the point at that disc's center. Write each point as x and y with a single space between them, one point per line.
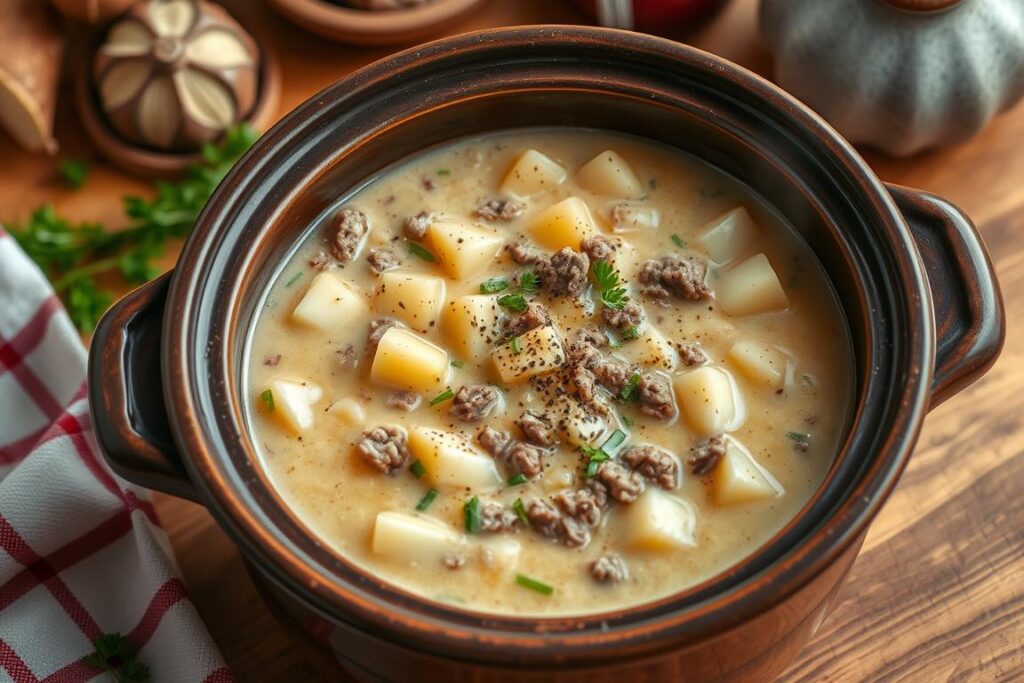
82 553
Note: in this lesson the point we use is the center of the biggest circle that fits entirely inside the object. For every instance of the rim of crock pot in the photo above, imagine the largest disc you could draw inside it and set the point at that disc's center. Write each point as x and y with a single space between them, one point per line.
380 608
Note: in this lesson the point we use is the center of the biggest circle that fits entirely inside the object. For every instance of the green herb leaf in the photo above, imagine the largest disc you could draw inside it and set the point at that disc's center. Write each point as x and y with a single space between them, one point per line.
418 469
534 585
293 279
629 390
615 298
268 400
613 294
628 421
678 241
516 347
493 286
800 439
445 395
420 252
74 171
443 171
457 363
471 515
520 510
529 282
513 302
518 480
595 456
86 303
115 654
630 333
427 500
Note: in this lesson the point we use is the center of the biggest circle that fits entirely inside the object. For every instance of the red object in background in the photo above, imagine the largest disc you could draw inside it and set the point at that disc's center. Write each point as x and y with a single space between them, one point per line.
661 17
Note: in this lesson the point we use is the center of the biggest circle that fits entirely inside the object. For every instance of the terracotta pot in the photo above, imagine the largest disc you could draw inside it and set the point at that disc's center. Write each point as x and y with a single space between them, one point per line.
166 361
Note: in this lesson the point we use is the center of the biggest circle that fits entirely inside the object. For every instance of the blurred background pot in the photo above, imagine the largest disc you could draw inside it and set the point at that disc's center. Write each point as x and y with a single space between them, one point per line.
660 17
899 75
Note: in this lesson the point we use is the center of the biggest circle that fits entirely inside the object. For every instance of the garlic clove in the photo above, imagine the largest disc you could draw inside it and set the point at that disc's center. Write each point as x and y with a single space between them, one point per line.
218 49
205 100
158 114
123 82
172 18
128 39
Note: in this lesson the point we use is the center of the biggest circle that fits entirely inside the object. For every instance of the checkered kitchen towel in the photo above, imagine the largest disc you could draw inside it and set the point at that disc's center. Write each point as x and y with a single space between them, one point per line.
82 554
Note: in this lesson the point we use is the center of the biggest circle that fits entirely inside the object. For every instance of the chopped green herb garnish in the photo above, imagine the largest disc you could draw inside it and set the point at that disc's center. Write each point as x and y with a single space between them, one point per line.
520 510
115 654
801 439
427 500
513 302
529 282
612 443
630 389
595 456
418 469
628 421
445 395
613 294
268 400
74 172
515 345
517 480
420 252
443 171
534 585
471 515
493 286
679 241
457 363
631 332
294 278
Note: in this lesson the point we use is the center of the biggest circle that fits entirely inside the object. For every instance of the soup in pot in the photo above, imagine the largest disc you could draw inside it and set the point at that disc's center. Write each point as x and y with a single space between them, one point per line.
549 372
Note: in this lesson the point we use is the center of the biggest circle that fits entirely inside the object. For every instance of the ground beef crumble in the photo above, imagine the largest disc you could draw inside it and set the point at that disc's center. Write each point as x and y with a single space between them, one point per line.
584 346
552 523
416 226
655 395
496 516
537 429
707 454
613 375
653 464
382 259
564 273
404 400
385 448
320 261
535 315
378 326
609 568
674 276
692 355
524 253
629 316
599 248
624 485
473 402
524 459
580 504
350 226
494 441
499 210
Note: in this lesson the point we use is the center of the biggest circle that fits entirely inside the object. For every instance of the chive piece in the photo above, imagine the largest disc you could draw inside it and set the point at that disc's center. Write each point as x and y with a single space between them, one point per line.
418 250
513 302
595 456
591 471
534 585
445 395
74 172
493 286
679 241
471 515
516 346
457 363
628 421
520 511
517 480
631 332
427 500
630 389
443 171
800 439
529 282
294 278
418 469
612 443
268 398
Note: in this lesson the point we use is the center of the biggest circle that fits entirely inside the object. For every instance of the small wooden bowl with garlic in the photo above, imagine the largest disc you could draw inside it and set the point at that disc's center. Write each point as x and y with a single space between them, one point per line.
170 76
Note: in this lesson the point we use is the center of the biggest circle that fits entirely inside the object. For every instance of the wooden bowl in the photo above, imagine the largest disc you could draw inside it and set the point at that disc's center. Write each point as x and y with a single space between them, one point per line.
364 27
910 272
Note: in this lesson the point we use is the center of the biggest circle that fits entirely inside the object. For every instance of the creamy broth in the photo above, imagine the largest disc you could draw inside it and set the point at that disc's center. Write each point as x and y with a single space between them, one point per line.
775 379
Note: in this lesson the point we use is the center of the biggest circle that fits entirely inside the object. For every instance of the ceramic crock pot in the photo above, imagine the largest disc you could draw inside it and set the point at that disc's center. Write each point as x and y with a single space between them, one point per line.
911 273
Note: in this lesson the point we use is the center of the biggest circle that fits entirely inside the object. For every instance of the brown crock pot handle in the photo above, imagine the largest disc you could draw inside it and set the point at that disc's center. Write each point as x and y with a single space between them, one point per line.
126 393
969 320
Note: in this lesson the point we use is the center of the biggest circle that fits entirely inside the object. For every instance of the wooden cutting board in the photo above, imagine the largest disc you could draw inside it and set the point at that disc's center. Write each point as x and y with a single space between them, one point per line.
938 591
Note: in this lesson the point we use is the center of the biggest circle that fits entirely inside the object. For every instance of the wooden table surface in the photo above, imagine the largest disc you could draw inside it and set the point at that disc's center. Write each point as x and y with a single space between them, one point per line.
938 590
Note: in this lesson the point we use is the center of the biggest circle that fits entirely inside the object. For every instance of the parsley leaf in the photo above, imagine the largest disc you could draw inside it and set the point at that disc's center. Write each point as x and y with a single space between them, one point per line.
613 294
115 654
513 302
529 282
74 172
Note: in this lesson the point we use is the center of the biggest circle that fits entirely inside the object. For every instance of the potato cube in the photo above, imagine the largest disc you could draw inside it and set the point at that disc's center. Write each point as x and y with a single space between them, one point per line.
761 363
738 478
577 425
631 217
709 400
293 403
331 304
533 172
729 235
471 325
414 299
414 538
349 412
651 348
539 352
464 250
566 224
501 556
751 287
609 174
405 360
452 461
660 521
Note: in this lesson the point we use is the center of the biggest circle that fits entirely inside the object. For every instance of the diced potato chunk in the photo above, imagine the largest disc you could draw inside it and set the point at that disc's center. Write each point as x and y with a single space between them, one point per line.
349 412
452 461
533 172
577 425
404 360
566 224
660 521
609 174
651 349
471 325
540 352
630 217
740 479
709 400
293 403
761 363
412 538
330 304
414 299
729 235
751 287
464 250
501 556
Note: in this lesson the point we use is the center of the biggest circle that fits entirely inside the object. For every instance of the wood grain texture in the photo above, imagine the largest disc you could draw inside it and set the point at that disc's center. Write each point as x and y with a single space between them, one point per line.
938 591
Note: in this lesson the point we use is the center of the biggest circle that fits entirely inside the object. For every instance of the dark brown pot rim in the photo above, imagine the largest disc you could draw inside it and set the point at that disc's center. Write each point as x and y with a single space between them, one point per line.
196 360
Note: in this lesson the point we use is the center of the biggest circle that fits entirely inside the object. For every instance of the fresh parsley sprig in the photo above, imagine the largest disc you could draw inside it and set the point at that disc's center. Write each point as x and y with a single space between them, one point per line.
116 654
613 293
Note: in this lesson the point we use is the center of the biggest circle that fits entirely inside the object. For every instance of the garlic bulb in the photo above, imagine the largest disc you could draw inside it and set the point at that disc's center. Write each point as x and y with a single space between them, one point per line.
174 74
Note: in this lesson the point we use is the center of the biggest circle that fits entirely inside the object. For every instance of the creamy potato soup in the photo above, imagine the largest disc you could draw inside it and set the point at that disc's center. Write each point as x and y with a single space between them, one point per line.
548 372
